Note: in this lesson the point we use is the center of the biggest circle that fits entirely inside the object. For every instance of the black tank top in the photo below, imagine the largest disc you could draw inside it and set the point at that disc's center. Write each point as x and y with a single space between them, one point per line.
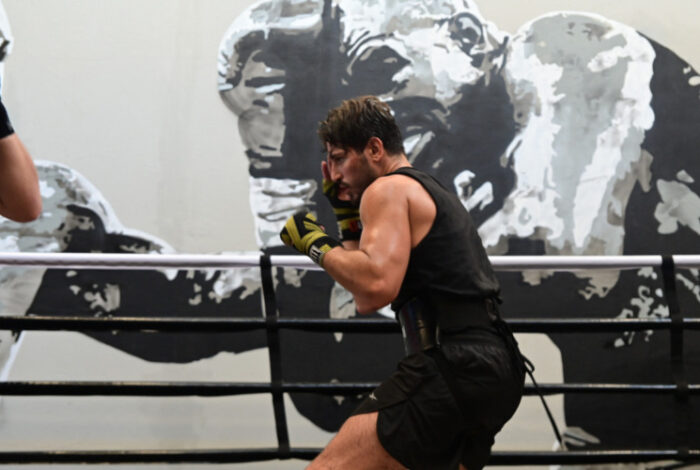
451 258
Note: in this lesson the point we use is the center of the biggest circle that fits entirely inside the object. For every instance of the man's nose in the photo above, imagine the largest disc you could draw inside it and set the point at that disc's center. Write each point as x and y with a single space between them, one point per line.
334 171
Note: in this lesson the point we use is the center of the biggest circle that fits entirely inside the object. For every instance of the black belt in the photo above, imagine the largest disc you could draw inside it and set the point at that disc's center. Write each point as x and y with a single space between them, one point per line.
418 327
455 314
425 322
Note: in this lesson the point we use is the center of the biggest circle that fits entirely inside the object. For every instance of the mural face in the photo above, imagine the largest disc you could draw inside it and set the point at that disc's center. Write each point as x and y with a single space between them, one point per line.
575 135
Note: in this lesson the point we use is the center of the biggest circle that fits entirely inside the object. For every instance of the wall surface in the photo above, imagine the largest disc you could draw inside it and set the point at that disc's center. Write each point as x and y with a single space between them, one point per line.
126 93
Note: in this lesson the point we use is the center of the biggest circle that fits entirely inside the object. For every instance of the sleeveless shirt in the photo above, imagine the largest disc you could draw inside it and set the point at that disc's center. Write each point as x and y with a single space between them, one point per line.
451 258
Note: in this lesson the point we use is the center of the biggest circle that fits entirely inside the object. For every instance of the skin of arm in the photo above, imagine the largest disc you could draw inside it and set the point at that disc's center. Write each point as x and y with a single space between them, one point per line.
374 271
20 199
351 244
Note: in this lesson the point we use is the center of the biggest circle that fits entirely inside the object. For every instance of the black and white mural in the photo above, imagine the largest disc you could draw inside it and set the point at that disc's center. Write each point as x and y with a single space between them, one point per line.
574 135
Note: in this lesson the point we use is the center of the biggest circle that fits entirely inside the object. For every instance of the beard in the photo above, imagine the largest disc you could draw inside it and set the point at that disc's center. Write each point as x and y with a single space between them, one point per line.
366 176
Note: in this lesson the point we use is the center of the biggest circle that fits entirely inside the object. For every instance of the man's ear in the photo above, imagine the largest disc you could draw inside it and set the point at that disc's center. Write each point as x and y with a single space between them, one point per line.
374 148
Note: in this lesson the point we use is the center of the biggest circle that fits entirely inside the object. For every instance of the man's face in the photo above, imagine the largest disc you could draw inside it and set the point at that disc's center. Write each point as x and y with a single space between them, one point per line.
351 170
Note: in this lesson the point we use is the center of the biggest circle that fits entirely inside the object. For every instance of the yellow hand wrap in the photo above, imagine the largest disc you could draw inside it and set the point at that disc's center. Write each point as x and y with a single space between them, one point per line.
303 233
347 213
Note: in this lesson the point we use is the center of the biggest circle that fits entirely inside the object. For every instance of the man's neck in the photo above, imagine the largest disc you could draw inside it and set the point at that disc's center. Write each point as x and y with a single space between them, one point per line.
393 163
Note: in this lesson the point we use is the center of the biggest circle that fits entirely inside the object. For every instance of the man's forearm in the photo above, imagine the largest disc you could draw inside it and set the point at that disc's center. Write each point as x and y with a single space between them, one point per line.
20 199
351 244
355 270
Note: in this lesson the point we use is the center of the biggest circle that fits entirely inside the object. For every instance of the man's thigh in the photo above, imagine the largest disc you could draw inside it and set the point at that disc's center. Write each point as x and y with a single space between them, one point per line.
356 446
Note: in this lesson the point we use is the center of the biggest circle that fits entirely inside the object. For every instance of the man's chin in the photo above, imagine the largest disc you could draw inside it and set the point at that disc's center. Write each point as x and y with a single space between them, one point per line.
351 196
346 195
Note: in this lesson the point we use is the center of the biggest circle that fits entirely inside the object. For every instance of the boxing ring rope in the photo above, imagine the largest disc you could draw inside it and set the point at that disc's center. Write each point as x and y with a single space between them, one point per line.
272 323
188 261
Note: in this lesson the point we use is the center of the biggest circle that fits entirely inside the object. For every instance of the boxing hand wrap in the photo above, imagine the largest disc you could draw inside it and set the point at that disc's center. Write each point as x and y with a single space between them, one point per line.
5 125
347 213
303 233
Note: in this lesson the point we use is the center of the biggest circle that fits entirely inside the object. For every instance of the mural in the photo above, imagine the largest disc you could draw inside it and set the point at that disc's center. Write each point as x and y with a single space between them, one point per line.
574 135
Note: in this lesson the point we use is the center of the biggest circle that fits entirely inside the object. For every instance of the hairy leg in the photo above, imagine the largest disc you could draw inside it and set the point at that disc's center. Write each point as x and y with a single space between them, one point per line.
356 447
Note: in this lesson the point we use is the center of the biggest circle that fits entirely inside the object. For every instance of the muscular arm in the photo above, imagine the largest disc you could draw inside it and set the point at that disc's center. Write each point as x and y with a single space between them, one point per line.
374 271
20 199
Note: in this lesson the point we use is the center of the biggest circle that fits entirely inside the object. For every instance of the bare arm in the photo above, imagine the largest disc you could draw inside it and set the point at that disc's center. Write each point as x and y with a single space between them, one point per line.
373 273
20 199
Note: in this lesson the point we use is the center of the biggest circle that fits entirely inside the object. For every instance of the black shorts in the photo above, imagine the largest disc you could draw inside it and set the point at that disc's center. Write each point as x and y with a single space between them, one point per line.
420 423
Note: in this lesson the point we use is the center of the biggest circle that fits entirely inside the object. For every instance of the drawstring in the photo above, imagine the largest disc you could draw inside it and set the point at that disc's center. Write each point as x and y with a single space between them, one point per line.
503 328
530 368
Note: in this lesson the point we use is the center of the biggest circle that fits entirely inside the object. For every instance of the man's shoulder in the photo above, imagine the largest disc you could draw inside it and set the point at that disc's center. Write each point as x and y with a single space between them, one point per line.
384 190
391 190
393 183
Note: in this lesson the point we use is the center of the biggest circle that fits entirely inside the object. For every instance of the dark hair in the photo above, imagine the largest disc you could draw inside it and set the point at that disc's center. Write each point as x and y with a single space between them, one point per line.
357 120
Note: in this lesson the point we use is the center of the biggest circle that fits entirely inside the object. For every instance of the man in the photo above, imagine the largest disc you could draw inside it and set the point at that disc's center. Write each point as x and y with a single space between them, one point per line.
432 60
413 245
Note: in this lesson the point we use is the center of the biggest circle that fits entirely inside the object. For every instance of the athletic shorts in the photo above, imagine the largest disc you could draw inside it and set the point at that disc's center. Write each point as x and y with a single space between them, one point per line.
420 423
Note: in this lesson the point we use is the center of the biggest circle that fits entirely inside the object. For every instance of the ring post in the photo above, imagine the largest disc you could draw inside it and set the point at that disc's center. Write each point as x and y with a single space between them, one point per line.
273 347
682 402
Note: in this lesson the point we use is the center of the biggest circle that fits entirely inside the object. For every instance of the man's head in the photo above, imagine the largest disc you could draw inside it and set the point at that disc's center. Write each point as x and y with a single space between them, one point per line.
352 124
360 137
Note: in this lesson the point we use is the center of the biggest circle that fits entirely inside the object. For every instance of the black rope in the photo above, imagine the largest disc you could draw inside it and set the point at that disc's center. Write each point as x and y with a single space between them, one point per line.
511 458
355 325
275 356
207 456
217 389
682 404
